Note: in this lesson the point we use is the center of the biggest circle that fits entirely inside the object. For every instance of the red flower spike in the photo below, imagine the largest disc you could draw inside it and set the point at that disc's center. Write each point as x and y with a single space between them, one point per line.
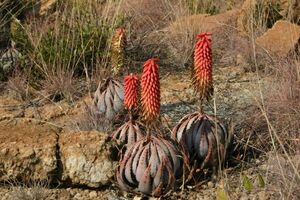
202 71
150 90
131 91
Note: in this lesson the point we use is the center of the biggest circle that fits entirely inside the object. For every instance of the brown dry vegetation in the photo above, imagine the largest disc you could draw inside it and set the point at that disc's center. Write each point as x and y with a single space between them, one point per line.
66 54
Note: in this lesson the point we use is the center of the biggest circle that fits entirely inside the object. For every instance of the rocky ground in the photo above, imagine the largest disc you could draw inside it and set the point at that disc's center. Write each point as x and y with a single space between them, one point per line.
51 146
48 150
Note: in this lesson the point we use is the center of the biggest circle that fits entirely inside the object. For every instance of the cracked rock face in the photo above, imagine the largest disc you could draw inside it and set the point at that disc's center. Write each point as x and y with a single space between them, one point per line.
27 150
85 158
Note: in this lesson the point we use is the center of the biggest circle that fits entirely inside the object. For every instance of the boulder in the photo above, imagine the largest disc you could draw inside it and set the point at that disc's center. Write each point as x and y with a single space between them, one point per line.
282 39
85 158
27 151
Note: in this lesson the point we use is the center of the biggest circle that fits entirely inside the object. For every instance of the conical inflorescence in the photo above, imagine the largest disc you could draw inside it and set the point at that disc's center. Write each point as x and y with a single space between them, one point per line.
202 70
150 94
131 84
118 50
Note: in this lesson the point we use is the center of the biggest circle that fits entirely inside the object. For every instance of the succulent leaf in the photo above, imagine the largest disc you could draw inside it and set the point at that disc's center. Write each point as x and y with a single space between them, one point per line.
108 99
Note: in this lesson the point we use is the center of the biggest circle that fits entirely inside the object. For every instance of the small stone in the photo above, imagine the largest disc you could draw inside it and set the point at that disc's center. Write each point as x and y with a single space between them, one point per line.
210 184
77 196
93 194
244 197
263 195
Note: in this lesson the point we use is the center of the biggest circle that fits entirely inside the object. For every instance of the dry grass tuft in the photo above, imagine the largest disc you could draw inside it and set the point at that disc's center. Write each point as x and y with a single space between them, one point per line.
29 190
282 177
61 85
32 193
282 104
93 121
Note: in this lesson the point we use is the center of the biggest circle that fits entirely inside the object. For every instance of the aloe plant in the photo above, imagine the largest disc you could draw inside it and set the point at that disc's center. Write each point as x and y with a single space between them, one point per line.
152 164
131 131
203 138
108 98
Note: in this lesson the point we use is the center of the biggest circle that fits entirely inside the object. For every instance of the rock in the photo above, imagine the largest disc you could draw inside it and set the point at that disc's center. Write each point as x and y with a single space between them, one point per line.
85 159
47 6
48 112
282 39
210 184
205 22
262 195
27 151
93 194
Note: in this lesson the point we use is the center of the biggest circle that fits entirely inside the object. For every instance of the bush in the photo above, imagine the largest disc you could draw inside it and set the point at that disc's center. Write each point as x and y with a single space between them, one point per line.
69 43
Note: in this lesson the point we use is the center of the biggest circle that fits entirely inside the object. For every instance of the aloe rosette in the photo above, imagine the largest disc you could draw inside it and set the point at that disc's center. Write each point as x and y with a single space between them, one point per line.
204 138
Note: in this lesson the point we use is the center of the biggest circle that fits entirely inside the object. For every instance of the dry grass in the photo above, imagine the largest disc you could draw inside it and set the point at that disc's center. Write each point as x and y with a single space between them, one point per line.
179 38
19 86
282 176
281 108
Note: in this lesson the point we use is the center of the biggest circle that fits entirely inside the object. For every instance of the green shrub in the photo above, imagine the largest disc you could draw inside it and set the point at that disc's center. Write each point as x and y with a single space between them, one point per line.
72 40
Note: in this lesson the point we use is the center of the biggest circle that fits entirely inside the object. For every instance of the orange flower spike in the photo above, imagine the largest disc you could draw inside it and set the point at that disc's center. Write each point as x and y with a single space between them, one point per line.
150 90
131 91
202 71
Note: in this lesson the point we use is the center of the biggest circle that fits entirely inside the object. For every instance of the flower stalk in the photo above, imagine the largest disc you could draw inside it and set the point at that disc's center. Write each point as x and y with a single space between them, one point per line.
118 46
